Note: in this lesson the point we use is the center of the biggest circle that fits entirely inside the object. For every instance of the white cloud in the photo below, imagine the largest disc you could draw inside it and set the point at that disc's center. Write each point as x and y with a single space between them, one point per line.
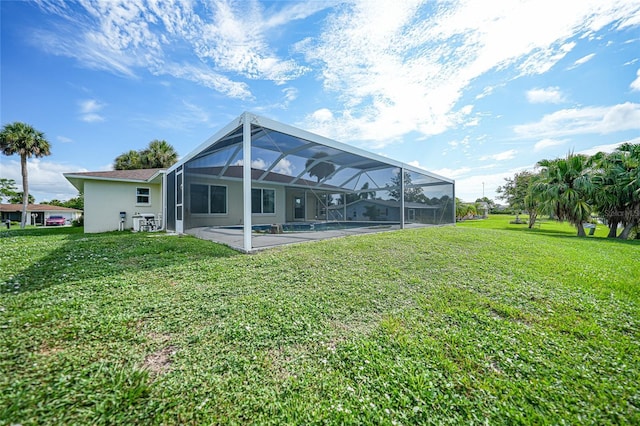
46 181
635 84
258 163
90 105
472 187
548 143
322 115
290 94
200 74
582 60
183 116
284 166
92 118
600 120
126 36
488 91
607 148
64 139
400 67
395 67
452 173
236 41
501 156
549 95
89 109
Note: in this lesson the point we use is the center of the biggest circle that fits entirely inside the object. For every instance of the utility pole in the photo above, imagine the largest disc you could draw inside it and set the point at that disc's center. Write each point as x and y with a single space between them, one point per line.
483 190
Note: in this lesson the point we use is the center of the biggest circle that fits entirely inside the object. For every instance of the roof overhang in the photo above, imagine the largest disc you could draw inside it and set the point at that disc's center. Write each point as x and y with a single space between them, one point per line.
78 179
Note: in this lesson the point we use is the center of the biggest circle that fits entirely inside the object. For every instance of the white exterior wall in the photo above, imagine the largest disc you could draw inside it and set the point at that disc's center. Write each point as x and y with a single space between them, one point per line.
104 200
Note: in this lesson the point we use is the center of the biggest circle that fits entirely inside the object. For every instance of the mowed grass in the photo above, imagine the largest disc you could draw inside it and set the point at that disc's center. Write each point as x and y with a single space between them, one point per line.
482 322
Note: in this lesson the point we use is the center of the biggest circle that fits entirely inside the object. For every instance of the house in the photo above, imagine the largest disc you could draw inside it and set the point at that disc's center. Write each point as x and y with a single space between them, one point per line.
112 199
387 210
37 214
294 176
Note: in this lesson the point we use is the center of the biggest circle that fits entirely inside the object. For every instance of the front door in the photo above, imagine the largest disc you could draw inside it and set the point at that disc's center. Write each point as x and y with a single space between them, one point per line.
179 202
298 207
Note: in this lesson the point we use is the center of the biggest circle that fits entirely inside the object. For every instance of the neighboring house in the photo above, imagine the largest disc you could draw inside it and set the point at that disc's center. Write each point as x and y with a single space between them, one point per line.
108 194
295 176
386 210
37 213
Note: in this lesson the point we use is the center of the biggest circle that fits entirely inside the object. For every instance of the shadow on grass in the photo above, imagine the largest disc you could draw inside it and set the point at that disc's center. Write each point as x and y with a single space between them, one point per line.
41 231
560 233
88 256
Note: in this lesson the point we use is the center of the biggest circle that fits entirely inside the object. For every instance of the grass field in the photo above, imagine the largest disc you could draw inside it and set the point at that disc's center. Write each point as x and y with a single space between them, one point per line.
484 321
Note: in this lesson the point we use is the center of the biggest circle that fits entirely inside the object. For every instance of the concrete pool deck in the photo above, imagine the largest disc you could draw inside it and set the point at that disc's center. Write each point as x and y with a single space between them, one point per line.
260 241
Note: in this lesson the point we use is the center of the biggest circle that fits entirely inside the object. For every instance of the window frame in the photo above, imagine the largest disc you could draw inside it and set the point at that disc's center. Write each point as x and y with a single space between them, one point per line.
262 200
147 195
208 202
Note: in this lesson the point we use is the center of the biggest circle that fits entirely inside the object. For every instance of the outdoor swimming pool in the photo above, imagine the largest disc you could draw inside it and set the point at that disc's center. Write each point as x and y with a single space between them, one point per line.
319 226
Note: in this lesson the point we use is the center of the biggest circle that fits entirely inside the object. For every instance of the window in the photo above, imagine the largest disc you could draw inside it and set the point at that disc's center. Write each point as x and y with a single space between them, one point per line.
263 201
208 199
218 199
143 196
199 198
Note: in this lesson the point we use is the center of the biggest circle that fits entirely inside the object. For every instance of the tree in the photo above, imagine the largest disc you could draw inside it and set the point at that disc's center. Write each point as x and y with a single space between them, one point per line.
464 210
75 203
159 154
128 161
8 189
515 190
372 212
630 182
411 193
361 195
72 203
319 169
24 140
617 183
565 187
19 197
489 201
532 201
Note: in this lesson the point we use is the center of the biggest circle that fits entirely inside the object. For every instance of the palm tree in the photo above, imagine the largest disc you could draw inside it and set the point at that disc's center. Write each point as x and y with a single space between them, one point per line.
128 161
319 169
532 201
565 186
617 184
22 139
158 155
628 179
607 194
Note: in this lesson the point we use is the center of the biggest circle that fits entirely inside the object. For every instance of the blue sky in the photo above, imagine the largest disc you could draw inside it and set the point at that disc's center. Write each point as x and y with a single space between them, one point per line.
475 91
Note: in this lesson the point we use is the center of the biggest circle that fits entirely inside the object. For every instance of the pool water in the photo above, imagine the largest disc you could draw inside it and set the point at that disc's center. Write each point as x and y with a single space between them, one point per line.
318 226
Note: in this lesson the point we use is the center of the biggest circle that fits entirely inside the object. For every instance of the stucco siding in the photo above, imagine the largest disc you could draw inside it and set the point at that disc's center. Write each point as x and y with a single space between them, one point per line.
104 200
234 205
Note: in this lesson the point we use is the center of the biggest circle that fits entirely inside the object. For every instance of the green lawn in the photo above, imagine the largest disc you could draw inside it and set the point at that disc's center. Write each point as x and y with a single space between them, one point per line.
484 321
